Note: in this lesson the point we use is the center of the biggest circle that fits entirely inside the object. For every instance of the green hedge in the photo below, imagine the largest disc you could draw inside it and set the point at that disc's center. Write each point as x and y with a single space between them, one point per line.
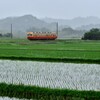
39 93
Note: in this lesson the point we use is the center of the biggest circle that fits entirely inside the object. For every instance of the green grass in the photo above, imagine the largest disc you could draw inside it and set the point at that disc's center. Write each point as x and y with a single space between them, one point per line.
57 44
40 93
58 49
50 53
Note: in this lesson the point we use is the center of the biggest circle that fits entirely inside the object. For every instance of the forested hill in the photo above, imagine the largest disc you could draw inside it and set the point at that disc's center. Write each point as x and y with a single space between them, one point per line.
81 23
21 23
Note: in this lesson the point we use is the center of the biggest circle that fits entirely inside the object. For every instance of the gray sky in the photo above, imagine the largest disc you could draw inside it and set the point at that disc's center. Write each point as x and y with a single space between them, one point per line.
66 9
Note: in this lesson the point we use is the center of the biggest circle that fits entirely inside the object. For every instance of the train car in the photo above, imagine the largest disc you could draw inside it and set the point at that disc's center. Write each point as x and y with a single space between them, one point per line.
41 35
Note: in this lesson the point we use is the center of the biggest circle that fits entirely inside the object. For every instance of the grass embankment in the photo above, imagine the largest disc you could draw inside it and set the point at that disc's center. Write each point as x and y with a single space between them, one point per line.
56 51
38 93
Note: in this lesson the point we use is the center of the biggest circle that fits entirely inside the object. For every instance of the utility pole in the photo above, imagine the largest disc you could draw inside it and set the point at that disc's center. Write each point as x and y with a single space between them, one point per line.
57 28
11 32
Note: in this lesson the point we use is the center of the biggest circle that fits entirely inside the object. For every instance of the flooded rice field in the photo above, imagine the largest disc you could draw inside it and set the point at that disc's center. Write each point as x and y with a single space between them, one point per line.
52 75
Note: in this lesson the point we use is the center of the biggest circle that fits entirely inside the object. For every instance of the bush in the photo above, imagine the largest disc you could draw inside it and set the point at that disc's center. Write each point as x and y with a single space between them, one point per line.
93 34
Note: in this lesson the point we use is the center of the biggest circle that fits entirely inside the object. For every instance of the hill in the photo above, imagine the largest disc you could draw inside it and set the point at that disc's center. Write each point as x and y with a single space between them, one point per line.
22 24
75 22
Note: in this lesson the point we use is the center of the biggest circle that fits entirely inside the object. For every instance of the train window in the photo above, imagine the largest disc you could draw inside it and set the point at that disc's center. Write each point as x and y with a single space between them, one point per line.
29 34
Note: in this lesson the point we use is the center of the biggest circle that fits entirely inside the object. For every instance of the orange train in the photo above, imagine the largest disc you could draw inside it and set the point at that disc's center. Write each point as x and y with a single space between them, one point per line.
41 35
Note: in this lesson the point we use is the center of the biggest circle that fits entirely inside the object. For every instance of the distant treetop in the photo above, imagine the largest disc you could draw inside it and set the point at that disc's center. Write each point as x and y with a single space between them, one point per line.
93 34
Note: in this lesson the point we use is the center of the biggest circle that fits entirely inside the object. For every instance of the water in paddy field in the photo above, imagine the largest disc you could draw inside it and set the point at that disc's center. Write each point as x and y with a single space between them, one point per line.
8 98
52 75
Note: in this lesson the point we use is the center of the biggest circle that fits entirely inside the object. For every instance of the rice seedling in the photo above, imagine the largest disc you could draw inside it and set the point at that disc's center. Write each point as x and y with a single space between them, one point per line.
51 75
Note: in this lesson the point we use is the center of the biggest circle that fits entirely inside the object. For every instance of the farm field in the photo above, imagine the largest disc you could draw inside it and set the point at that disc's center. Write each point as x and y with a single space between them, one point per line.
58 81
51 75
58 49
45 73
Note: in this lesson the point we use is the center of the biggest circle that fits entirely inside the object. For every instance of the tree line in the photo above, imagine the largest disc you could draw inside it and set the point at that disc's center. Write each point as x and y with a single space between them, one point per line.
5 35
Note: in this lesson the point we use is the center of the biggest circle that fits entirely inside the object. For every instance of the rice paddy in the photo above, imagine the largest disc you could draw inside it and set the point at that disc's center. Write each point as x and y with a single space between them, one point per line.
61 69
51 75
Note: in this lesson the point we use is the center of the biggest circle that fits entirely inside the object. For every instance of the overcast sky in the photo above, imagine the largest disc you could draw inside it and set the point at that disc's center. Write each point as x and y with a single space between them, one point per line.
66 9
